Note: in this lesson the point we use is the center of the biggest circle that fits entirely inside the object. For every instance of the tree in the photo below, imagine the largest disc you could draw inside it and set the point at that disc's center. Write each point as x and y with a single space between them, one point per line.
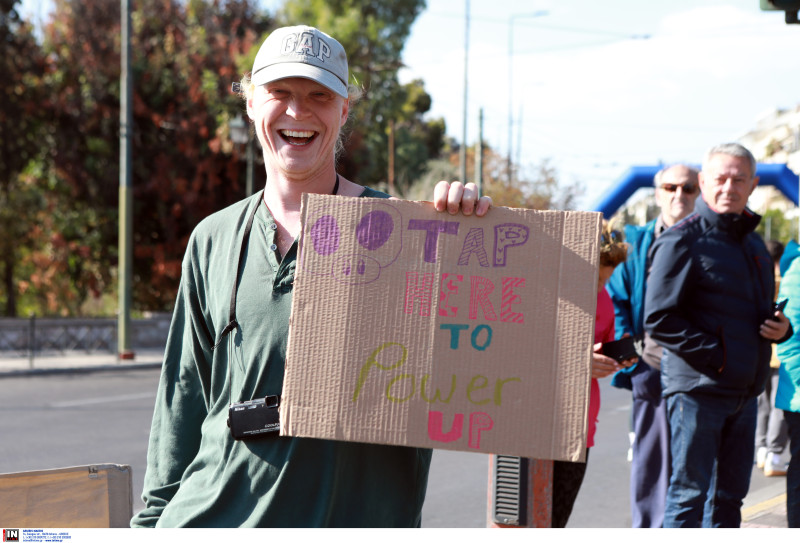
542 190
22 66
775 226
185 56
373 34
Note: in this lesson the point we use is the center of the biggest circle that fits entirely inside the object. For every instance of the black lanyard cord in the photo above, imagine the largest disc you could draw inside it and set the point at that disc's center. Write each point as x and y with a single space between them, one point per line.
232 309
232 323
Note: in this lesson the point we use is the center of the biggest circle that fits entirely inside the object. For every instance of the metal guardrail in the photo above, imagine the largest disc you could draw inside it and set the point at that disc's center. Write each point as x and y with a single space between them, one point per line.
49 336
35 336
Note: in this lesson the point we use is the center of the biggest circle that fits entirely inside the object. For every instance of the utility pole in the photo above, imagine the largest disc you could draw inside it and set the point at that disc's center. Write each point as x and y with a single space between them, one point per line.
390 173
519 138
479 155
463 153
511 19
125 264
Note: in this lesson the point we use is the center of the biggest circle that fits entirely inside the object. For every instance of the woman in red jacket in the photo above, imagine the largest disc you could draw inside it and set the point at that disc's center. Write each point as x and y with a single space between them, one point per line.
568 476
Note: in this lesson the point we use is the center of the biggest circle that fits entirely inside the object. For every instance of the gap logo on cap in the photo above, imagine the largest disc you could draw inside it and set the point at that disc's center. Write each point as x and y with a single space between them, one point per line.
303 44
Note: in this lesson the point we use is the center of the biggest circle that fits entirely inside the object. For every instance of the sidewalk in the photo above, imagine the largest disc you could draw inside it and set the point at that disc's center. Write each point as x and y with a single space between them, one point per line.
770 513
764 508
77 362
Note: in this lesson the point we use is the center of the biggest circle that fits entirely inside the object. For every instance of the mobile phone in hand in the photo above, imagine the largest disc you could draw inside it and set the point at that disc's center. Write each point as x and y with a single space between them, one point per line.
778 306
620 350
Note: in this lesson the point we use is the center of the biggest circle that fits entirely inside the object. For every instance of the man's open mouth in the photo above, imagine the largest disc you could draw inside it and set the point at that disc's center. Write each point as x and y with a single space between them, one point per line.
298 137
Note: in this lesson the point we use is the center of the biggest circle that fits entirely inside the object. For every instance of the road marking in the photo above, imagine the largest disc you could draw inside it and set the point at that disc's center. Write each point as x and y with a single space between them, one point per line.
755 510
105 399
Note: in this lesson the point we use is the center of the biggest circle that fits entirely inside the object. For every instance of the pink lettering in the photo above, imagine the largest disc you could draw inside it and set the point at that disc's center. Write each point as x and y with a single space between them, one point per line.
478 423
435 420
449 287
419 290
509 298
481 287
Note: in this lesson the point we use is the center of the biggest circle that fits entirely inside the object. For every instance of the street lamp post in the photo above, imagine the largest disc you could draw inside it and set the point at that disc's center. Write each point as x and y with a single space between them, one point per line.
240 135
125 267
511 19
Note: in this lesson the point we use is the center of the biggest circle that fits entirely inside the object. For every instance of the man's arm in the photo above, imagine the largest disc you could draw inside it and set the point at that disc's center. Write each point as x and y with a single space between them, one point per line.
180 407
669 284
619 288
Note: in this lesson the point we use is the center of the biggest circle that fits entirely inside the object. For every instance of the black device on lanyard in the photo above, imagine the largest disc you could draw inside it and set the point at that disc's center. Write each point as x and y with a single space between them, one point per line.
253 418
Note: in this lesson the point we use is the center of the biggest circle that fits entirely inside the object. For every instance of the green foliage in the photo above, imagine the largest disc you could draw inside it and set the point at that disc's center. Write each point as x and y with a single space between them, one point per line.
541 190
780 228
184 58
59 168
21 93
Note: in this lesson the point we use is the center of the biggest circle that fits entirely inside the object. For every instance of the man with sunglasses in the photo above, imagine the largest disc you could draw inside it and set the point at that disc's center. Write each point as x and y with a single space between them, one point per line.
709 304
676 191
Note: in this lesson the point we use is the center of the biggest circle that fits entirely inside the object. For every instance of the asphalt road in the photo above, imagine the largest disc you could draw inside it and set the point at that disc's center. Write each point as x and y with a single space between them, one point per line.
51 421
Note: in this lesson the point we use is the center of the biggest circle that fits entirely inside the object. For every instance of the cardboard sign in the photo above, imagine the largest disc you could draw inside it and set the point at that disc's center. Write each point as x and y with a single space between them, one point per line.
418 328
93 496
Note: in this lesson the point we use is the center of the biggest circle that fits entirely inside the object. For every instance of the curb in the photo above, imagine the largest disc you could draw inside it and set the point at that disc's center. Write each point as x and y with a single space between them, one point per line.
81 369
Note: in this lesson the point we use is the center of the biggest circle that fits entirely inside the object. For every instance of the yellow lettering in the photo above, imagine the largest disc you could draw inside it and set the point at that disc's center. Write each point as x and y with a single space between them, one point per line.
399 378
373 361
473 386
437 394
498 388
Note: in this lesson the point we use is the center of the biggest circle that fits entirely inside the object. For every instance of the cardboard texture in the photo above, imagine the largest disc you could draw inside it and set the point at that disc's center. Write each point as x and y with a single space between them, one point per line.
95 496
418 328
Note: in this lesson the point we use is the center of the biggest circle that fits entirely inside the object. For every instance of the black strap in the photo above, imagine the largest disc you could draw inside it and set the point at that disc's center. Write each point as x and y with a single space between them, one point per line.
232 324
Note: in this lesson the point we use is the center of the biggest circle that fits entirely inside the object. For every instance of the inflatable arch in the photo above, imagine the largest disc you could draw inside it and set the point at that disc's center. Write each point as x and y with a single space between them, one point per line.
637 177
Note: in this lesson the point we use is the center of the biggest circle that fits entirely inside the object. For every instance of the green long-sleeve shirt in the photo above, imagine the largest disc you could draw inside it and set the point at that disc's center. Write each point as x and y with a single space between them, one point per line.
197 474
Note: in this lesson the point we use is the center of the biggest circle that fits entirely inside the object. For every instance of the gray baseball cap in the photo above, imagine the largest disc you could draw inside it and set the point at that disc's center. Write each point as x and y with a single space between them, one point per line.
302 51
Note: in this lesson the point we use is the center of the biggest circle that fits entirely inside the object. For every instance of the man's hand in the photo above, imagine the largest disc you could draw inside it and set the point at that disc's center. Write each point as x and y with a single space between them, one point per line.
452 197
776 327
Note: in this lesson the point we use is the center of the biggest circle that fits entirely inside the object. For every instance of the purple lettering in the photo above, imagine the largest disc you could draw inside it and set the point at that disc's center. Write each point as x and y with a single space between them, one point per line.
473 244
505 236
432 229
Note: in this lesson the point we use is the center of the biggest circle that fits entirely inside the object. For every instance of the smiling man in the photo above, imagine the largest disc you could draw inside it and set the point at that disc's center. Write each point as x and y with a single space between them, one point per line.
209 462
709 305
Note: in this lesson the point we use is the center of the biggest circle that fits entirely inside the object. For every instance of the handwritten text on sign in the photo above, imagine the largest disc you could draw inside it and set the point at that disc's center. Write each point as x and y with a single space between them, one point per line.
447 318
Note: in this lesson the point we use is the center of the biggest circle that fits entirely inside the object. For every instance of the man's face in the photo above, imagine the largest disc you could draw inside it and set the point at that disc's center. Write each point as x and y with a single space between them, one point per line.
676 194
297 122
726 183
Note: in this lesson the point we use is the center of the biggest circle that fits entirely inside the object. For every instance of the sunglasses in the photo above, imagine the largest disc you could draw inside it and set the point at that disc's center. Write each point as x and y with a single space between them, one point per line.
687 189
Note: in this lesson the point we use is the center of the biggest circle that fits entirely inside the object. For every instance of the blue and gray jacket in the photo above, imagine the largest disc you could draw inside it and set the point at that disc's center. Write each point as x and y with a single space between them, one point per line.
627 287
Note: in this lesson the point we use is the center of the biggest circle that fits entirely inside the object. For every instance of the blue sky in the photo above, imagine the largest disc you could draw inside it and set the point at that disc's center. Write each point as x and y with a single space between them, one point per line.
596 100
591 96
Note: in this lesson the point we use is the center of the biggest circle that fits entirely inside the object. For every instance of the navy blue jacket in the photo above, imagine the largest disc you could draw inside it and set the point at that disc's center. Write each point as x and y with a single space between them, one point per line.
710 287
